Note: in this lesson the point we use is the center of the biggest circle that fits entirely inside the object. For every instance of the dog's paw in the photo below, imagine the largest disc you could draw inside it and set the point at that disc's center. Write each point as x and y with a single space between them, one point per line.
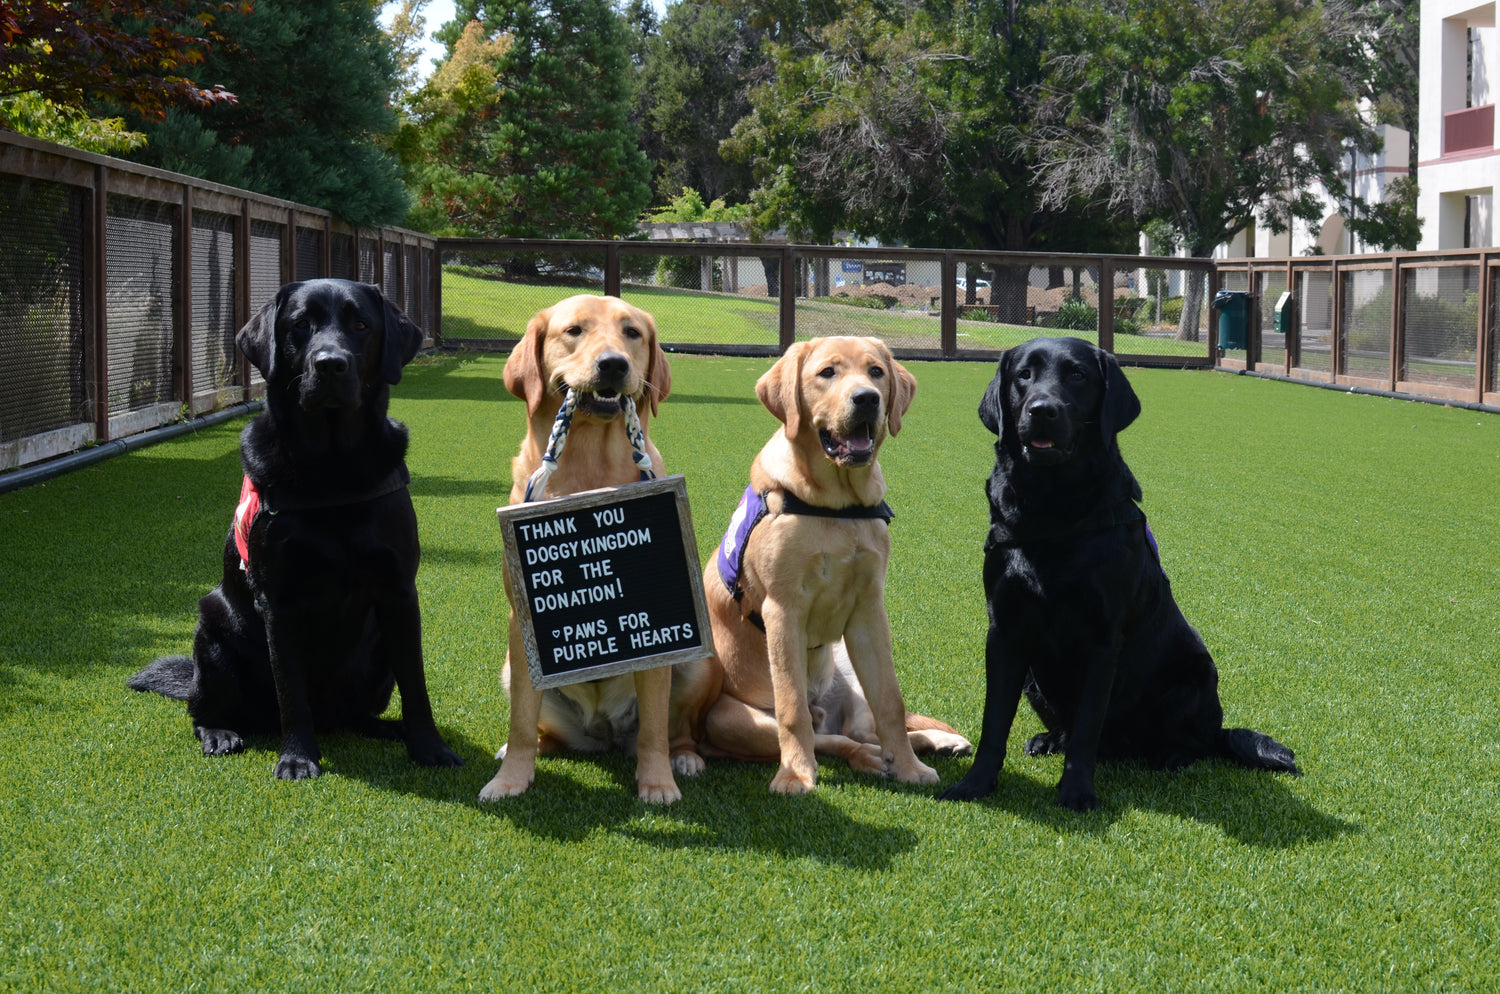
688 763
967 790
292 767
659 792
1047 744
219 741
918 772
868 757
1077 798
434 754
502 786
787 781
940 743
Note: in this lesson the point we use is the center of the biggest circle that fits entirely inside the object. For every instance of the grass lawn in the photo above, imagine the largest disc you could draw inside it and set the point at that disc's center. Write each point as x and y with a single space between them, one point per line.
479 306
1337 551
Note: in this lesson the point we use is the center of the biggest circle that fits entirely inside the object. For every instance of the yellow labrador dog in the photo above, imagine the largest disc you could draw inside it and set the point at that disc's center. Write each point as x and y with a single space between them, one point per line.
604 350
796 594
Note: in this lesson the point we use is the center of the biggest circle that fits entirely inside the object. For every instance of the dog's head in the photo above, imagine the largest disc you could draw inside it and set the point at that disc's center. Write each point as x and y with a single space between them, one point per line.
601 348
1055 398
842 395
333 341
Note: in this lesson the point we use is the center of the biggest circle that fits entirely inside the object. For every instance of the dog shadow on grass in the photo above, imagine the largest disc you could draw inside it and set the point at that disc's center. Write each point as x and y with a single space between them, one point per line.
726 807
1253 807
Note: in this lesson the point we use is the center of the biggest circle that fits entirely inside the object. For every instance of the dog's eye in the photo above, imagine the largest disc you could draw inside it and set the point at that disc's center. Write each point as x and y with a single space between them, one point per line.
1076 376
632 332
876 372
1023 373
573 330
826 372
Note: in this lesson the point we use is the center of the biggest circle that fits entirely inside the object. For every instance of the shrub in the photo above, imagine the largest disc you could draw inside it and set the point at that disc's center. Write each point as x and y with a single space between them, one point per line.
1076 314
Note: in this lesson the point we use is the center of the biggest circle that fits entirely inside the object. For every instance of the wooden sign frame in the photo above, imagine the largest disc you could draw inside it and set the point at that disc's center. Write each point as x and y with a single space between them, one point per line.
594 575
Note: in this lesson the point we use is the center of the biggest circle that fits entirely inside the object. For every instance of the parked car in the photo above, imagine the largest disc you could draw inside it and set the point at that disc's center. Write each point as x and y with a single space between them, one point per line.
979 285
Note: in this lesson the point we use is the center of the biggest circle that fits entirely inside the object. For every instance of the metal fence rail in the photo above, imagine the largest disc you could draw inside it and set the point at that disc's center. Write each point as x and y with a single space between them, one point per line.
121 288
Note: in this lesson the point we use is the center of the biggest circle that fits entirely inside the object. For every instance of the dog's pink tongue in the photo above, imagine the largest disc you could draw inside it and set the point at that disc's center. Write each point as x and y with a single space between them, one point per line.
1041 443
860 443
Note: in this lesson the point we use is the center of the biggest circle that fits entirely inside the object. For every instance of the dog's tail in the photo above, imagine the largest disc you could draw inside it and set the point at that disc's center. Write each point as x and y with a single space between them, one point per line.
170 676
1257 750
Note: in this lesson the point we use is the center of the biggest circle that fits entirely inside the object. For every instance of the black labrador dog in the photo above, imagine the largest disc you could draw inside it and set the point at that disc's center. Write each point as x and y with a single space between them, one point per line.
316 618
1081 615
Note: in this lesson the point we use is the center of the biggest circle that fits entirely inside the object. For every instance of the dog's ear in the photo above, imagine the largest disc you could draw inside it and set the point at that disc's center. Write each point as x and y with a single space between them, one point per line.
992 404
523 370
1120 405
780 388
403 339
658 370
257 339
903 392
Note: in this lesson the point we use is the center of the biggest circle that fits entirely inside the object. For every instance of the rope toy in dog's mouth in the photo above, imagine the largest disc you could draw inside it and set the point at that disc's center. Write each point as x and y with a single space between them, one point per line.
536 487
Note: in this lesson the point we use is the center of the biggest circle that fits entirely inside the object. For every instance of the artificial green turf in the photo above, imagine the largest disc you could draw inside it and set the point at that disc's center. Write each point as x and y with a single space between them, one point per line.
1337 551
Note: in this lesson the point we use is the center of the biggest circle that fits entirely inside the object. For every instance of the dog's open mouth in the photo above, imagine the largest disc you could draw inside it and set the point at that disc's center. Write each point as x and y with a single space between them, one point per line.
601 404
1045 449
854 449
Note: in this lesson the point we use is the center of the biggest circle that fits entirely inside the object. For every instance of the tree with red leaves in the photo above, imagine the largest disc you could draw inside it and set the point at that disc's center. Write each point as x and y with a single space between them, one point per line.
133 53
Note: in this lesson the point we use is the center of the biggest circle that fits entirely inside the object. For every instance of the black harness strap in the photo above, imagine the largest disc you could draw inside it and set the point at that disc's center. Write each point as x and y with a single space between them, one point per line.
792 504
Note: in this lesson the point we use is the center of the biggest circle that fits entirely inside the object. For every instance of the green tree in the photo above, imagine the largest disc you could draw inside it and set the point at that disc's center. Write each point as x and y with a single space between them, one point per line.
690 93
314 79
897 121
1198 112
555 154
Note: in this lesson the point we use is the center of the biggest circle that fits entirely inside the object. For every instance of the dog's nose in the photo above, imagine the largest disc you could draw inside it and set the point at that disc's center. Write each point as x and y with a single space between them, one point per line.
331 363
1042 408
865 400
612 366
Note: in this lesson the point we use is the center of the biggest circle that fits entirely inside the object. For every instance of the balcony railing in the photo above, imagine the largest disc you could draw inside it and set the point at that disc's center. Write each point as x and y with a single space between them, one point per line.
1465 130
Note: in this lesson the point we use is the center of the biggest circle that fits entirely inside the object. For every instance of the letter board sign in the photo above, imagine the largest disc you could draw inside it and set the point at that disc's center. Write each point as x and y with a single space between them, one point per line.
606 581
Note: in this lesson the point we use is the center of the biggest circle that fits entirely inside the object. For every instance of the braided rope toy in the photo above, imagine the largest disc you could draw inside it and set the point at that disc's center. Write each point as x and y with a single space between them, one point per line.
536 487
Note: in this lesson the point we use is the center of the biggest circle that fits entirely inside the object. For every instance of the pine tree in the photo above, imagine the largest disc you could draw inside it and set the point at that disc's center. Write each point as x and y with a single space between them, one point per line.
563 158
313 80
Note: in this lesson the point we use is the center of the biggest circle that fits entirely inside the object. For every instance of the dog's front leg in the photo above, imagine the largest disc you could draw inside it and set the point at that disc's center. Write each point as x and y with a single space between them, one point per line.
401 626
1003 678
518 768
869 643
786 645
653 762
299 743
1075 790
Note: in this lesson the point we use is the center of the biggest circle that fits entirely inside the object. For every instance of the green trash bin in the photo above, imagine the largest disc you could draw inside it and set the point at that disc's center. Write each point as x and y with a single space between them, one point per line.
1284 313
1234 318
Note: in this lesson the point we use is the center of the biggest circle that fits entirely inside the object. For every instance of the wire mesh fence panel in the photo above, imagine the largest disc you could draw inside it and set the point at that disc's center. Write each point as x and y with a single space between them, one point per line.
265 270
140 288
411 301
1365 334
309 254
1315 321
425 320
368 255
1271 284
215 364
492 294
390 279
728 300
341 257
42 376
1163 310
894 298
1441 319
1494 377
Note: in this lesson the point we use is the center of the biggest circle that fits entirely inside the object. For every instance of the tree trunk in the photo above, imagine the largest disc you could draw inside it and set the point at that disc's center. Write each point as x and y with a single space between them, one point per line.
1192 303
